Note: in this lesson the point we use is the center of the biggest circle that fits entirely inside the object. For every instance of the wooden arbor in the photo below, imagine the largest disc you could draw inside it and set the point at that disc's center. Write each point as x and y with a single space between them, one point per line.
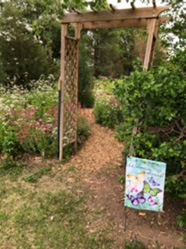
68 84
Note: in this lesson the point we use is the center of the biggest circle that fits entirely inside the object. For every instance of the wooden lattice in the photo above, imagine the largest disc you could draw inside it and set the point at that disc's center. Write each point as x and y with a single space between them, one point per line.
70 91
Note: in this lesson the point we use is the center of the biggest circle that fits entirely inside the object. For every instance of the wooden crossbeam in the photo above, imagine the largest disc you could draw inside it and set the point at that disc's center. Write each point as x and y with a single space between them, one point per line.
163 19
128 23
122 14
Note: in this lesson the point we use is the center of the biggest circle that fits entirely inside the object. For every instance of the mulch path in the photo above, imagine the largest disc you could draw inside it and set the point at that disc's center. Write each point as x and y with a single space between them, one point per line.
100 164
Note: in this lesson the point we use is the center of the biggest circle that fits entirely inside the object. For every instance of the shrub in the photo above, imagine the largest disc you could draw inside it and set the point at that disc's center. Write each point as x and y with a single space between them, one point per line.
83 128
181 219
107 112
28 120
107 109
157 99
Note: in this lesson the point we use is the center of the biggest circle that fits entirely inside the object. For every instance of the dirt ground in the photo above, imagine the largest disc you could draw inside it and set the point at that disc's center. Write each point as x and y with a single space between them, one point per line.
99 163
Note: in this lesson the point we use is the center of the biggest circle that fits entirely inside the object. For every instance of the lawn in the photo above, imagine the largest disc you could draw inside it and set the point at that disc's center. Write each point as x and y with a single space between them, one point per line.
41 208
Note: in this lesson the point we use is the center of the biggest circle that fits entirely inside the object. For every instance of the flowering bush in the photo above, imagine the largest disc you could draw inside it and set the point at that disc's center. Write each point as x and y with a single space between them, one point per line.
107 109
28 119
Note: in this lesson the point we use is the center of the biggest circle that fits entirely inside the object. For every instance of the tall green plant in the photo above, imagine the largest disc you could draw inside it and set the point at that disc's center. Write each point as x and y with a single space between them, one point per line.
23 57
157 99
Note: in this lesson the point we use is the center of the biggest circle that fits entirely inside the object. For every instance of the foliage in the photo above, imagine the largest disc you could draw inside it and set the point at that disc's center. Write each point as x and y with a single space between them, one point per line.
85 81
9 164
83 126
181 219
18 65
35 176
11 168
157 99
107 113
136 244
106 52
173 34
29 119
121 179
110 51
107 110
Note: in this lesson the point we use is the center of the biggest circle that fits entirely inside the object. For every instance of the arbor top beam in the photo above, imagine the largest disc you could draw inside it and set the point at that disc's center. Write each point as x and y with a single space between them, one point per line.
128 23
106 15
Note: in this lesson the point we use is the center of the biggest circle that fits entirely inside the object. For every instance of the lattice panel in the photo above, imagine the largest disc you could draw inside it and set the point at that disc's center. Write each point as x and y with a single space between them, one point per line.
70 91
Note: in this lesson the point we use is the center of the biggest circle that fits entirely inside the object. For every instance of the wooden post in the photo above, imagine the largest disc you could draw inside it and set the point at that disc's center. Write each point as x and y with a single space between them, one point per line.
64 28
151 26
154 43
78 28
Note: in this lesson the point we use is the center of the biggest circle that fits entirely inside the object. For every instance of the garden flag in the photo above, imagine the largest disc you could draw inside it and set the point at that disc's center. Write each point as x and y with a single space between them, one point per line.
144 185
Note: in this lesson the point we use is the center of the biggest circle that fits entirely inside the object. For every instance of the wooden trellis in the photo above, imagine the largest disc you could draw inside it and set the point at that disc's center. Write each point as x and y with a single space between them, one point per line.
68 84
69 109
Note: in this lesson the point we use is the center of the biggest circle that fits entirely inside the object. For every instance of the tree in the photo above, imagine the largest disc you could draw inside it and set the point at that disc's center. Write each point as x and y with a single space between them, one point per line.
113 51
23 56
85 82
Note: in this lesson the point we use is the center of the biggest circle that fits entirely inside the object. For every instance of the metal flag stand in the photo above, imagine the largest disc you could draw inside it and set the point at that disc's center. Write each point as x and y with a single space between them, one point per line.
131 153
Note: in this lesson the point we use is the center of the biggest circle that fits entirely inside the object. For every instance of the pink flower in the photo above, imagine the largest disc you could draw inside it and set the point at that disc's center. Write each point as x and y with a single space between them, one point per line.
9 111
113 101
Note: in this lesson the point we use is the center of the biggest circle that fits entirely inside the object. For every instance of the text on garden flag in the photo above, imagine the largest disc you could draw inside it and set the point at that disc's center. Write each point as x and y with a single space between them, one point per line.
144 185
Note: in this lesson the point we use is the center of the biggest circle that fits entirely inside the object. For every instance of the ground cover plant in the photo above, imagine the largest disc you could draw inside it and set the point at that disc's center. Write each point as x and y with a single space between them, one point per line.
28 119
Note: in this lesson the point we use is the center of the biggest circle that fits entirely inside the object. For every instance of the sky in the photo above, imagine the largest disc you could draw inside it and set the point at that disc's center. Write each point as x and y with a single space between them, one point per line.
125 5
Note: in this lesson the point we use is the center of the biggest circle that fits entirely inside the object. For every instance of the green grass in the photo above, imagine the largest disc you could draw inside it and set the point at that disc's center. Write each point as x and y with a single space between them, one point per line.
11 168
37 174
35 215
121 179
32 216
